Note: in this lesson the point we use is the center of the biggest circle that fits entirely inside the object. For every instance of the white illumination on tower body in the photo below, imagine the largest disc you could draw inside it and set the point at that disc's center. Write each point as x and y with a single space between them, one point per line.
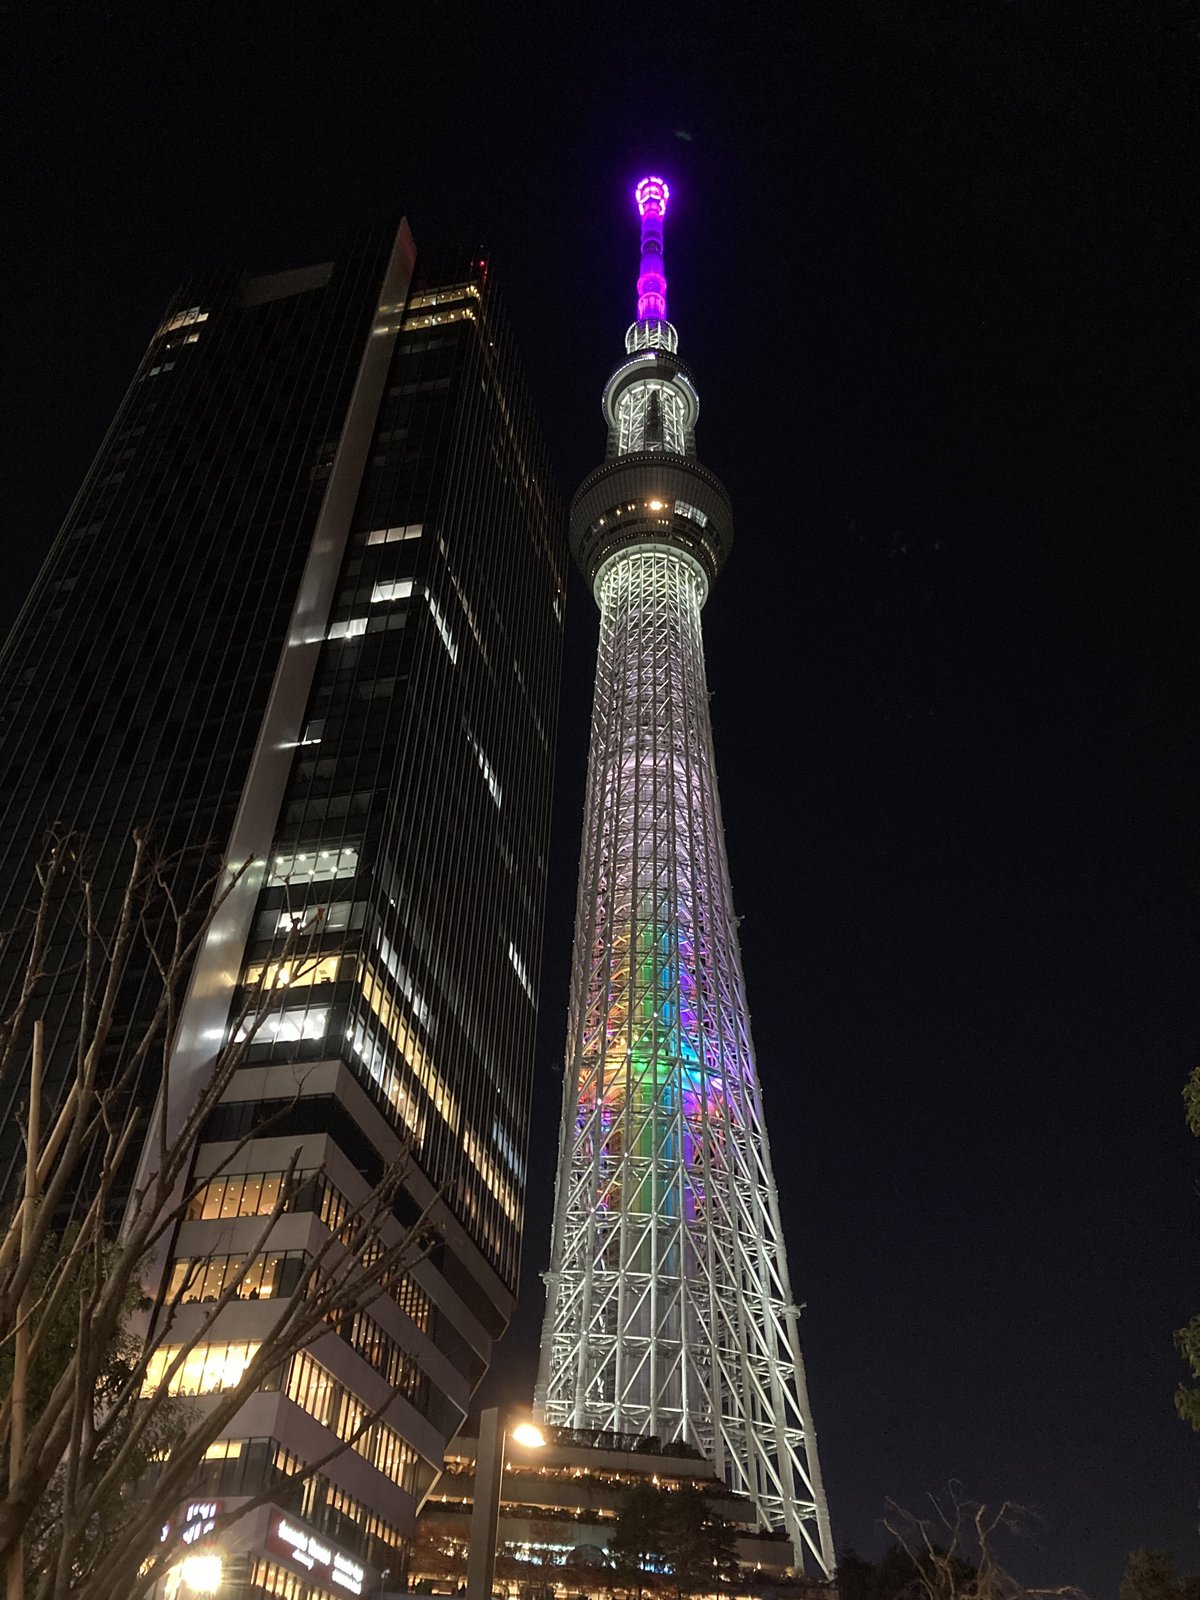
669 1307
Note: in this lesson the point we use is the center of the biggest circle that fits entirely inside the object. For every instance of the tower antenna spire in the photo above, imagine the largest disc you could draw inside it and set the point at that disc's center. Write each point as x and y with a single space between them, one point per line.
652 195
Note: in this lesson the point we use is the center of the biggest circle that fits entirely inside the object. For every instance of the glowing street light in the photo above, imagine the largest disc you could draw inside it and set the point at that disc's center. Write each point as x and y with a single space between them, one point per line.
202 1574
494 1434
198 1574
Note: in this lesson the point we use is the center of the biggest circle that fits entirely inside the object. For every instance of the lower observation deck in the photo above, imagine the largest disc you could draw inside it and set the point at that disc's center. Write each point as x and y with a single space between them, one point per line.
651 500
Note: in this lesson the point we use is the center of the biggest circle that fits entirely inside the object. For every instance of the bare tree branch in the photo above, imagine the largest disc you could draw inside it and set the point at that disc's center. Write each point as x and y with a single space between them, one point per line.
111 1403
953 1552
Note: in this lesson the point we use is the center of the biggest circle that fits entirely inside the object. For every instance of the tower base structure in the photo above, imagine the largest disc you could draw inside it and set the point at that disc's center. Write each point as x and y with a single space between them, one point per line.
558 1511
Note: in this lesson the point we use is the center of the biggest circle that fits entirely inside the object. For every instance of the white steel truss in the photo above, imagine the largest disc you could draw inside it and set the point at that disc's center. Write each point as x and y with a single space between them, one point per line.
669 1306
650 416
651 335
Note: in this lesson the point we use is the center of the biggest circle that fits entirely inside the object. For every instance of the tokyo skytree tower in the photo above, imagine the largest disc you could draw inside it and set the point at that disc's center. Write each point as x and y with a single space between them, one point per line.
669 1308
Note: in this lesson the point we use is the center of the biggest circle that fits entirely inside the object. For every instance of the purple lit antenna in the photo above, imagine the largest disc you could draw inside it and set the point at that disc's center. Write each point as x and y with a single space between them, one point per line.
652 195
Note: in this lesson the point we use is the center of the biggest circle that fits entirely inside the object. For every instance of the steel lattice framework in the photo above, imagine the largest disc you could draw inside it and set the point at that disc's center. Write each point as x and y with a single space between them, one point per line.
669 1308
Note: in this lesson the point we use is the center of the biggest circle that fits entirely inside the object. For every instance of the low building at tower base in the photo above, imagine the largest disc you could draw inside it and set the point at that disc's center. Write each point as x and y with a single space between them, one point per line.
559 1506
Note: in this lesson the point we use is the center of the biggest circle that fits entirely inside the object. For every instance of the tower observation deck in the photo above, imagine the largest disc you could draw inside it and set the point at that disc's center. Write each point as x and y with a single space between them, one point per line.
669 1305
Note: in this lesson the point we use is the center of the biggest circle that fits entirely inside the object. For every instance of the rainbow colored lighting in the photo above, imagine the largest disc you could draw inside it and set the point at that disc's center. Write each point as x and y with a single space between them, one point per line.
663 1100
652 195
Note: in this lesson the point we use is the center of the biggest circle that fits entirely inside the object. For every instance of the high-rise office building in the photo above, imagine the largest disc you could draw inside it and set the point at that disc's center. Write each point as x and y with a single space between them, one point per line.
307 610
669 1307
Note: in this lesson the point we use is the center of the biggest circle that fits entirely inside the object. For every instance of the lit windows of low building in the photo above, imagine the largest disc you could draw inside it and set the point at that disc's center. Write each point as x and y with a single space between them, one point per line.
559 1512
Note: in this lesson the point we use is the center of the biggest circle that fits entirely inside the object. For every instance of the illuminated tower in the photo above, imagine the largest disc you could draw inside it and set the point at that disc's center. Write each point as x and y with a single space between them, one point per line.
669 1309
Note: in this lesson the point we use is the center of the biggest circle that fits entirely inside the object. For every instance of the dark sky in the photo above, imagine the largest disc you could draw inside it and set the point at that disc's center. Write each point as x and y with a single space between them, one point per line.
930 262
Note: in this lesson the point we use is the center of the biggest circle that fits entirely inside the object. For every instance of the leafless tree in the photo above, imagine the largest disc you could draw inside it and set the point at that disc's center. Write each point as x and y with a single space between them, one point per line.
91 1348
952 1548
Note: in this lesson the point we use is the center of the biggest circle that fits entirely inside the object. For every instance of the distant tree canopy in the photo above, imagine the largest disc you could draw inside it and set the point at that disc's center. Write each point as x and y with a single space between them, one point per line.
1187 1339
1151 1575
700 1546
637 1540
675 1529
897 1575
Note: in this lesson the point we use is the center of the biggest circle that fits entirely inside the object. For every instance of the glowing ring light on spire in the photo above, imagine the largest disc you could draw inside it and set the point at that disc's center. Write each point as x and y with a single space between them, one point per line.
652 192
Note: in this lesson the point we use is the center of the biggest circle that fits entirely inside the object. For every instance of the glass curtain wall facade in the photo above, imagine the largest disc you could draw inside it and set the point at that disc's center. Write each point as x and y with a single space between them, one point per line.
362 568
134 681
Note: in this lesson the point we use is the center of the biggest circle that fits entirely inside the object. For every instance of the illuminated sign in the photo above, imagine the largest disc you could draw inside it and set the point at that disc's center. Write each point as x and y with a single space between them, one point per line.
199 1518
309 1550
196 1521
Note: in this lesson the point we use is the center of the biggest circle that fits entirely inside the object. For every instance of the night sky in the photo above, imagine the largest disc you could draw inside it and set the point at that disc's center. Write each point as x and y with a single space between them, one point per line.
929 261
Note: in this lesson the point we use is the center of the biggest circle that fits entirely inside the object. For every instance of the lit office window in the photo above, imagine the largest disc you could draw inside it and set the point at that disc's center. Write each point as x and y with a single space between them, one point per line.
403 980
410 530
485 766
206 1369
443 629
184 319
240 1194
519 968
333 918
348 628
391 589
205 1279
286 1027
313 866
297 974
224 1450
318 1392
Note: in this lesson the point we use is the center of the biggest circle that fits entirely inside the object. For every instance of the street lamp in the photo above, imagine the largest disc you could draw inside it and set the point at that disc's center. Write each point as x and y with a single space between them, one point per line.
202 1573
494 1434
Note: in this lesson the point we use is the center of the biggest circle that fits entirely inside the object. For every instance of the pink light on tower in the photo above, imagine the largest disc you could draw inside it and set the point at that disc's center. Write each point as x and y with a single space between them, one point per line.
652 195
